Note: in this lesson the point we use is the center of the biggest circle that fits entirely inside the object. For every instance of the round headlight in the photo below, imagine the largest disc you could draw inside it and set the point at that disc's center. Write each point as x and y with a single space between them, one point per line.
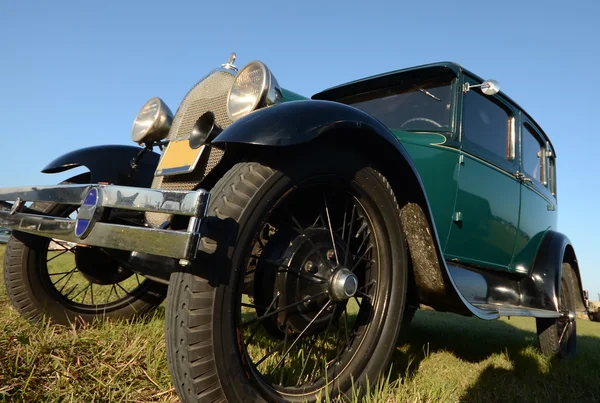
152 123
254 87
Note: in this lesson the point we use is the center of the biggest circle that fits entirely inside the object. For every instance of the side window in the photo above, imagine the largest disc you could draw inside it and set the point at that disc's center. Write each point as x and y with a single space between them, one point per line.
533 155
487 127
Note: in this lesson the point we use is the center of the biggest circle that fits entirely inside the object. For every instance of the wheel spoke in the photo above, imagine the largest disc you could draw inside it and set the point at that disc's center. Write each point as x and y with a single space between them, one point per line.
361 258
59 255
92 293
64 247
301 232
347 257
288 268
257 325
68 280
302 333
337 259
285 308
109 294
312 346
58 274
346 325
85 294
83 290
124 290
285 342
65 275
71 290
275 349
344 220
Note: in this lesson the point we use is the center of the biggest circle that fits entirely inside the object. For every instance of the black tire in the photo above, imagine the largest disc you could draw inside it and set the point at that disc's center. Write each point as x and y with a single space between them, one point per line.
558 337
207 345
34 294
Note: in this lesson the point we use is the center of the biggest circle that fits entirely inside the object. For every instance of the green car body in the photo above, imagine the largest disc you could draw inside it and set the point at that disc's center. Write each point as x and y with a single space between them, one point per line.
485 214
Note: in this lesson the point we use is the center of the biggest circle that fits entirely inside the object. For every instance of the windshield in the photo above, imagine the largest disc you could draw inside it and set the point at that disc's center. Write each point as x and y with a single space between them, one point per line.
425 106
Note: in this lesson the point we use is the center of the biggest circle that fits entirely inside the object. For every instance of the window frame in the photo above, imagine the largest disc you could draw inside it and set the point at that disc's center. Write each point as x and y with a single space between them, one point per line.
509 162
547 189
542 153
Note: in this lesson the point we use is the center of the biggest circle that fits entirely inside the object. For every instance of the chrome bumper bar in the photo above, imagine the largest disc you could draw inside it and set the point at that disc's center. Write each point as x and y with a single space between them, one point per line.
177 244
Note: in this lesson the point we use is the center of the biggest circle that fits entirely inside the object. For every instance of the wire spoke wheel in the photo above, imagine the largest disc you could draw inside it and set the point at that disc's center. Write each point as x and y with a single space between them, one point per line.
88 277
305 307
304 292
70 283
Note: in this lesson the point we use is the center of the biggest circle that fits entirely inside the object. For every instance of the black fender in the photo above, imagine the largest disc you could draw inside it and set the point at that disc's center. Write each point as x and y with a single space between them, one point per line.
109 163
297 123
546 271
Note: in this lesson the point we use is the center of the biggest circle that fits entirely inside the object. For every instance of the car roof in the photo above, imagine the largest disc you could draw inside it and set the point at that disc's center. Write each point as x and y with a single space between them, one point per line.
330 93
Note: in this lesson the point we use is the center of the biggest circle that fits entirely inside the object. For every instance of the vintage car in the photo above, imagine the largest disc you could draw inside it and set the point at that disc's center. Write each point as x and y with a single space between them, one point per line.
295 237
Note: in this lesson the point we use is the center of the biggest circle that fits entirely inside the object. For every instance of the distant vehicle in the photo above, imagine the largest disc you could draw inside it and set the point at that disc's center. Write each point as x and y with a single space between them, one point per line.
4 235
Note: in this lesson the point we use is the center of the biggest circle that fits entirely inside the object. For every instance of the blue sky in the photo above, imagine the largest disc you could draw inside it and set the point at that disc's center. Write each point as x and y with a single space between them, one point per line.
74 74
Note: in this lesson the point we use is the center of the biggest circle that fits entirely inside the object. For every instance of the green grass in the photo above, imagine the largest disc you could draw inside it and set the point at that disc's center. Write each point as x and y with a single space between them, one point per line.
441 358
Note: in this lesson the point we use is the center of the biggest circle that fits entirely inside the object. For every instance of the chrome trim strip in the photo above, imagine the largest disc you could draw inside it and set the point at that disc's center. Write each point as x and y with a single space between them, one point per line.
121 197
155 200
174 244
63 194
512 139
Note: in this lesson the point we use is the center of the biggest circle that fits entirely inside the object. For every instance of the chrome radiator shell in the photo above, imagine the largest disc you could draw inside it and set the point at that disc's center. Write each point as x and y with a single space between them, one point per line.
209 94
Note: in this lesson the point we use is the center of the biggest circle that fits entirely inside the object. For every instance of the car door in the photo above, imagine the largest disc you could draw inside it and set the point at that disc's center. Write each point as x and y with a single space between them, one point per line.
485 220
538 193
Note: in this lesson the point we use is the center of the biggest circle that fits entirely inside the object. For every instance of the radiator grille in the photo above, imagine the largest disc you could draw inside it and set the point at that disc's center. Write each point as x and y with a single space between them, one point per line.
210 94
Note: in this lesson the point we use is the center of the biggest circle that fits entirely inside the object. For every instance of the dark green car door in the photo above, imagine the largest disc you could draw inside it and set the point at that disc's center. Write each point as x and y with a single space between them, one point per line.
538 194
486 215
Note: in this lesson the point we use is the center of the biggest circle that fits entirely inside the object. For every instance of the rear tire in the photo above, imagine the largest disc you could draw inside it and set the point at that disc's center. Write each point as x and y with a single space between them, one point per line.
557 337
209 339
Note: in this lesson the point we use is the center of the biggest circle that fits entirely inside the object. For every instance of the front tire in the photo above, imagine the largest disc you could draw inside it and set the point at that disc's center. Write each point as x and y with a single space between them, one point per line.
69 284
255 321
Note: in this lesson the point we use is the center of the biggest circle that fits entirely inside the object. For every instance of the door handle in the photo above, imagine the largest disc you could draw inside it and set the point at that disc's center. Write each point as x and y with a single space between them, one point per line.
521 176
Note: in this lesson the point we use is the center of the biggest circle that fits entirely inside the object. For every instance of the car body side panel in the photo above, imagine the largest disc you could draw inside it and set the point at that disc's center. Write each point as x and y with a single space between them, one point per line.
538 215
438 167
109 163
488 200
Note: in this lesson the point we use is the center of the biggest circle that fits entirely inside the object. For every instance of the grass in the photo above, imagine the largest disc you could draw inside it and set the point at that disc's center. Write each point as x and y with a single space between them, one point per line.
441 358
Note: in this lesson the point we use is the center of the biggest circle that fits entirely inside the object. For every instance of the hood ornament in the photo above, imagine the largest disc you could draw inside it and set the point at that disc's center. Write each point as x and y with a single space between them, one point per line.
229 65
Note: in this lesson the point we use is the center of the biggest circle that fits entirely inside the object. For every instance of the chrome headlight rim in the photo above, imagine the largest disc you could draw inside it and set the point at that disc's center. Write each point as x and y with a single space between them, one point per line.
152 122
268 94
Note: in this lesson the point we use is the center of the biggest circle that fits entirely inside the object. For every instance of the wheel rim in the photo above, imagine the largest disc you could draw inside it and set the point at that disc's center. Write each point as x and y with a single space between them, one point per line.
75 286
312 289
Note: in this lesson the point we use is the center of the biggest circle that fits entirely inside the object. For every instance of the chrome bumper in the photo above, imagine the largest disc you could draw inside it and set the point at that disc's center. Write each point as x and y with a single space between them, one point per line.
176 244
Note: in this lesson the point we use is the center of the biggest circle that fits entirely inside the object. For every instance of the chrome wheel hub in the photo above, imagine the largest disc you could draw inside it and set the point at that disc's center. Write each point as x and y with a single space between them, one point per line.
343 285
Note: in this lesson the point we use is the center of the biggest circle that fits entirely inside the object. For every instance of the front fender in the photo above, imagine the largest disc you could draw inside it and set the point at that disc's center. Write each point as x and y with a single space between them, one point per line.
546 272
299 122
109 163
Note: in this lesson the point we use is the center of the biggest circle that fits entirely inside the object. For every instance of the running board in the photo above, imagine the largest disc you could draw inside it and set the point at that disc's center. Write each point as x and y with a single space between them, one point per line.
496 294
511 310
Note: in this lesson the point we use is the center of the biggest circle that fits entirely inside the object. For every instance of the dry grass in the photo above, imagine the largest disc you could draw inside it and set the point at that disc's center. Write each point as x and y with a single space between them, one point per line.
442 358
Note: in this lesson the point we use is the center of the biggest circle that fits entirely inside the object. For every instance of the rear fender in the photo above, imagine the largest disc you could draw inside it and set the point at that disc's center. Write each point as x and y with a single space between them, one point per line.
547 270
109 163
